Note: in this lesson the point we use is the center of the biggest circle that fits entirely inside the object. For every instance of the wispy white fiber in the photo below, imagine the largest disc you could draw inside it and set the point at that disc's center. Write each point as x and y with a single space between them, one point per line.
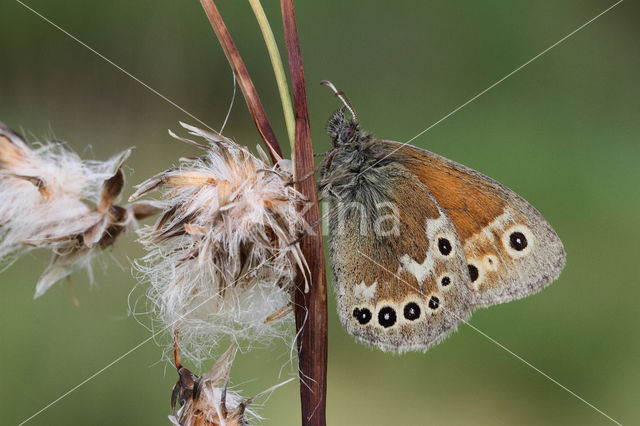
53 199
223 257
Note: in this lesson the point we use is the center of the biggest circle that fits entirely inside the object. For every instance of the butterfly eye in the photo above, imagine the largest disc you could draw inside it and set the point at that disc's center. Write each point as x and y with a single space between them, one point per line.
347 134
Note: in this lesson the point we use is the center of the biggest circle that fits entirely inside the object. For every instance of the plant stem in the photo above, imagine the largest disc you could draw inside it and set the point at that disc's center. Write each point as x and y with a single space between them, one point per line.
278 69
244 80
311 308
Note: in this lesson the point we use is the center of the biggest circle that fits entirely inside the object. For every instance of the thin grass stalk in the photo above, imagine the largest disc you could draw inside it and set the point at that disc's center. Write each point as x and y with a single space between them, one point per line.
278 69
244 80
311 308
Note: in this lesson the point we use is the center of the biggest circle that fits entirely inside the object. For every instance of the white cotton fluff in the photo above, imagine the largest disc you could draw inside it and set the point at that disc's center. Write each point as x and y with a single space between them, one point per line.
53 199
223 258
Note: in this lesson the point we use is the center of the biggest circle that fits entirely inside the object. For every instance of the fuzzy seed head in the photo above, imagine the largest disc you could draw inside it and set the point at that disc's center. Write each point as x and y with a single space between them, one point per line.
53 199
207 408
207 400
222 258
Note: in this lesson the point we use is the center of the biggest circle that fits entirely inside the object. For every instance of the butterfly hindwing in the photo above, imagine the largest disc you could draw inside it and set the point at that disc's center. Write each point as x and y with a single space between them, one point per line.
511 250
400 274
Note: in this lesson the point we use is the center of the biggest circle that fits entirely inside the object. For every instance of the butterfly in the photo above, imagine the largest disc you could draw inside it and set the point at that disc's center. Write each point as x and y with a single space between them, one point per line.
417 241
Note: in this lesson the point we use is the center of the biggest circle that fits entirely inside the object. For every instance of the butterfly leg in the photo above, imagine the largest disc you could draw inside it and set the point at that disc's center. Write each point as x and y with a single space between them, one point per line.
312 226
305 177
290 182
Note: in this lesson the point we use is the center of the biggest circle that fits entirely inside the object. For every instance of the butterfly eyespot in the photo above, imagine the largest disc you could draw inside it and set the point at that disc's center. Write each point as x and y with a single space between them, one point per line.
518 241
477 272
387 316
473 272
445 281
444 246
411 311
362 315
434 302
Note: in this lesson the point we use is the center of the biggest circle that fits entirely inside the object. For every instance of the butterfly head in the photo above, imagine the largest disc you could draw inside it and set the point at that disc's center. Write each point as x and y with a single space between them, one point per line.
343 131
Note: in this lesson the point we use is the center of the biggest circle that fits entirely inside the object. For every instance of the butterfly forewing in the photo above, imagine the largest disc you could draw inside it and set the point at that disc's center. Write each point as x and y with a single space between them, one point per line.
510 249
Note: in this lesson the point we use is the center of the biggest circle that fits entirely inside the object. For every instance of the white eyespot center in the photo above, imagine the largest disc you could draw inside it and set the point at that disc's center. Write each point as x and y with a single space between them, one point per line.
518 241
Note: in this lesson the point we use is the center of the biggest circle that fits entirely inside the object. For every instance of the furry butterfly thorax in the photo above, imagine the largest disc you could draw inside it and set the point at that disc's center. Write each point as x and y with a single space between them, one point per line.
418 241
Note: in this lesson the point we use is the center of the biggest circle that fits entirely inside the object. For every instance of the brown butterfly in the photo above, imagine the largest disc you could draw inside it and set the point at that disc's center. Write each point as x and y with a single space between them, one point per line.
417 241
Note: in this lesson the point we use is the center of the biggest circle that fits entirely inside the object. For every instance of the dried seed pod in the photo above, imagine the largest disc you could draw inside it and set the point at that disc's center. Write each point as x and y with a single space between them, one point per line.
56 200
207 401
222 257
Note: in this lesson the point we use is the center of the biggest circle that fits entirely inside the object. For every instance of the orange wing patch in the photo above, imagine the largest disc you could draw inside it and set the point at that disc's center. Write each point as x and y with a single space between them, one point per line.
511 250
468 200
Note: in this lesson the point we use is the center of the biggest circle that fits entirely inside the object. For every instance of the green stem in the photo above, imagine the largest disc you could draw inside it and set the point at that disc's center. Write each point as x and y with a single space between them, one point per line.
278 69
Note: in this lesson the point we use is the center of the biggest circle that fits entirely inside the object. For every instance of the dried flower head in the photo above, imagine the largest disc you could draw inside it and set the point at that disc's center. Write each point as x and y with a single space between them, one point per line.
207 401
53 199
223 257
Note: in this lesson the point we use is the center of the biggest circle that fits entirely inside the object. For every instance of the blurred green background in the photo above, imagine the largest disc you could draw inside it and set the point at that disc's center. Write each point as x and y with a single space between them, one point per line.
562 132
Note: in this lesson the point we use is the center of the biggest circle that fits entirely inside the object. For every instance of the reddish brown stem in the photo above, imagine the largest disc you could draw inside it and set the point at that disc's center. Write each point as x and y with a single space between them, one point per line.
243 78
176 351
311 308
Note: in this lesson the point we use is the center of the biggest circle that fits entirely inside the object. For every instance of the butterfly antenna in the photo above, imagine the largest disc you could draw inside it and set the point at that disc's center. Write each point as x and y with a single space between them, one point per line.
342 96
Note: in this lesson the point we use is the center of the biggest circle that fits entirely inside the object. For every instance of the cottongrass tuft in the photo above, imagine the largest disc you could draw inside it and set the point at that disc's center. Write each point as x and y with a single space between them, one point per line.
223 257
207 401
53 199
